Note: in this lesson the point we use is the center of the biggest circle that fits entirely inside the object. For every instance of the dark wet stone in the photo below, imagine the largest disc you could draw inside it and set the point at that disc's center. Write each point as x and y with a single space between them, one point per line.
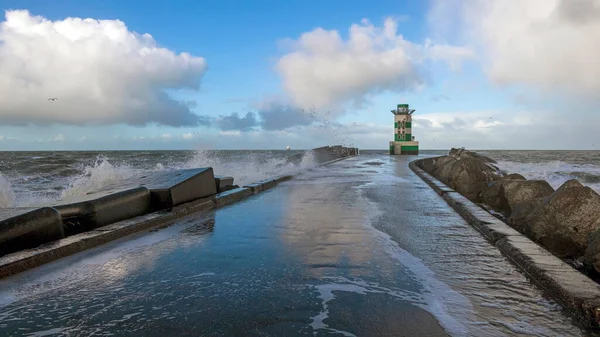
565 220
491 194
470 176
515 192
444 168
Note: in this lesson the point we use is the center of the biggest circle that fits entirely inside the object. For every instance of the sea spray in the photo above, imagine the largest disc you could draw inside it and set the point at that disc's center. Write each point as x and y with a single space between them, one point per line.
81 175
555 172
250 167
97 176
7 195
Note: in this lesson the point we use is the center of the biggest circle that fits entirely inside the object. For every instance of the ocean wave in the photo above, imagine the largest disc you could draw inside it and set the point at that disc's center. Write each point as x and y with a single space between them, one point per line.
7 195
555 172
245 169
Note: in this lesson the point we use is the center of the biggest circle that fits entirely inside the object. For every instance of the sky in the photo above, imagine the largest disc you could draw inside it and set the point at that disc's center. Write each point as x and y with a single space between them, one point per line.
266 74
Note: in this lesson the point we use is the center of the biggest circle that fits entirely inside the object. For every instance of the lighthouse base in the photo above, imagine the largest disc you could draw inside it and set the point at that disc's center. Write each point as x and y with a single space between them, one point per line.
404 148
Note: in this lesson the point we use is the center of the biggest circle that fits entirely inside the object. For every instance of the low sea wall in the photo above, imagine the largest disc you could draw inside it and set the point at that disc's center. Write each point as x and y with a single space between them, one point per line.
552 235
30 237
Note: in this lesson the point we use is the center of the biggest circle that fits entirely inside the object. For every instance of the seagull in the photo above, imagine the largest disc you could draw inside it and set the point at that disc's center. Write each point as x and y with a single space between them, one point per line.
52 99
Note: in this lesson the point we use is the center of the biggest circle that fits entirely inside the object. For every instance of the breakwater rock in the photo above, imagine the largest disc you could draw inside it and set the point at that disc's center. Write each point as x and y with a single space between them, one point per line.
565 221
142 197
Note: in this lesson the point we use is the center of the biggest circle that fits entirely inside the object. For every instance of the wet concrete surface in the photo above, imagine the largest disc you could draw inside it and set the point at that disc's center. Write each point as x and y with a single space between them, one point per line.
362 247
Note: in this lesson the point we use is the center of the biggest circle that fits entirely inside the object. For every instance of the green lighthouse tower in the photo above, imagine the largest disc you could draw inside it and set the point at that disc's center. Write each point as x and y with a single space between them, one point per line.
404 142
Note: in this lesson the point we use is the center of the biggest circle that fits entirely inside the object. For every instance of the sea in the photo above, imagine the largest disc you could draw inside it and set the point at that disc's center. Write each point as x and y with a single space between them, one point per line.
31 178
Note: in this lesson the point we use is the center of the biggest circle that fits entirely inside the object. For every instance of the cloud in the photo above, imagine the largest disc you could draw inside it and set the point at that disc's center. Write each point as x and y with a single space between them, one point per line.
277 116
188 135
549 45
59 138
101 73
1 137
235 122
324 70
166 136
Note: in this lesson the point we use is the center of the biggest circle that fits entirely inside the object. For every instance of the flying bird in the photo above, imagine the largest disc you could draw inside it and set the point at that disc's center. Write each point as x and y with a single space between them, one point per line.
52 99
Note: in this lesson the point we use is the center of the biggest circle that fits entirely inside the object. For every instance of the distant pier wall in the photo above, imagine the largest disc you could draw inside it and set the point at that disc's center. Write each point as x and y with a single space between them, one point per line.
30 237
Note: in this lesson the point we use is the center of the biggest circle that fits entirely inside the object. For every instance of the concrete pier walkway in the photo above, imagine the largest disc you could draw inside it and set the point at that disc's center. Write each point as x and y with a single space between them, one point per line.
361 247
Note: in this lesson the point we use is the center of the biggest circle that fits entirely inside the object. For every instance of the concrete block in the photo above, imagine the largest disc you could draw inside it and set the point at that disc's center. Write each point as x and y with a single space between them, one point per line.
223 183
102 208
495 230
22 228
171 188
174 187
254 187
232 196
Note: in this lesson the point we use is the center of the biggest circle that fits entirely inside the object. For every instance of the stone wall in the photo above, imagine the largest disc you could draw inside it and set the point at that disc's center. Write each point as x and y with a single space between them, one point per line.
565 221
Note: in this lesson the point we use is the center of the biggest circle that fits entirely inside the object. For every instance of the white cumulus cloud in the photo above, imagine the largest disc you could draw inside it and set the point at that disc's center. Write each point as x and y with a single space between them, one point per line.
552 45
99 71
188 135
324 70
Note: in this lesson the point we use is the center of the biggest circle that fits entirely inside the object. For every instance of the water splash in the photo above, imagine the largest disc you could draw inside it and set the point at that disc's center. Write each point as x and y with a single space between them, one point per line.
555 172
7 195
96 176
251 167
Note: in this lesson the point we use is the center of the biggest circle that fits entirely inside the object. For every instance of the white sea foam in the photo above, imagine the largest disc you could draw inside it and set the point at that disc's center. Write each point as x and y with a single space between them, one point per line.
7 195
246 169
96 176
555 172
250 168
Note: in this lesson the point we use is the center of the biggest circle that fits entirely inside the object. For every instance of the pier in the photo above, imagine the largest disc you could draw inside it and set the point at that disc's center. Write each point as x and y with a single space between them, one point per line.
360 246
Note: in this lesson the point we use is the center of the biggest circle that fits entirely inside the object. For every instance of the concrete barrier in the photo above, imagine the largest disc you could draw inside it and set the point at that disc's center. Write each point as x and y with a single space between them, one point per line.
171 188
232 196
30 258
22 228
99 209
223 183
267 183
573 290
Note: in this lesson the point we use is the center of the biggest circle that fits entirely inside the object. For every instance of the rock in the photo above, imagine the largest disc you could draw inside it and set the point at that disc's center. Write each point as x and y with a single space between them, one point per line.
485 158
515 192
519 214
491 194
453 151
470 176
444 167
564 221
428 165
591 258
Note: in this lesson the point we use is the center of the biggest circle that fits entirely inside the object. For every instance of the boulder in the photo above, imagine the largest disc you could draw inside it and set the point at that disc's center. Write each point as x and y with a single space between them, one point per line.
591 259
428 165
491 194
443 168
462 153
470 176
515 192
564 221
519 214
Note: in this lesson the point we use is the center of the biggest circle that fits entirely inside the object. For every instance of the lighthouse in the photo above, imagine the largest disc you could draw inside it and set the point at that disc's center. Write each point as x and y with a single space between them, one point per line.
404 141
